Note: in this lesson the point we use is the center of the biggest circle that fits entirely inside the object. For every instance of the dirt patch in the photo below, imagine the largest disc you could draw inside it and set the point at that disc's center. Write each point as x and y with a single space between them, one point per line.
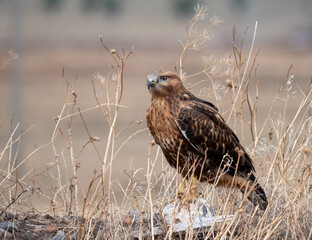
40 226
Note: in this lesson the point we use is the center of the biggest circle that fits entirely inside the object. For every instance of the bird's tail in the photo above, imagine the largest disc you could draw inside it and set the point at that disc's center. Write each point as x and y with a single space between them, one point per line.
257 197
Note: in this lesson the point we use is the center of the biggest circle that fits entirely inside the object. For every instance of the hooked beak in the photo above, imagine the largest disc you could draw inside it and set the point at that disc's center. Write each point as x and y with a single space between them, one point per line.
151 82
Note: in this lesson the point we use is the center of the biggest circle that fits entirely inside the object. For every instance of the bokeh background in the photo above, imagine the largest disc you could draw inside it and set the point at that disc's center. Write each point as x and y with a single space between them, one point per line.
48 35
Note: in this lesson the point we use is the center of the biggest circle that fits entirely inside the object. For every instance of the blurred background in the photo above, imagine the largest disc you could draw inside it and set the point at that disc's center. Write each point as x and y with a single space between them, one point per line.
44 36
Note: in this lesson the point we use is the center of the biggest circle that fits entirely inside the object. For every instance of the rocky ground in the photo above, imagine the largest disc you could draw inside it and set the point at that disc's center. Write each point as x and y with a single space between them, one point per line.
40 227
47 227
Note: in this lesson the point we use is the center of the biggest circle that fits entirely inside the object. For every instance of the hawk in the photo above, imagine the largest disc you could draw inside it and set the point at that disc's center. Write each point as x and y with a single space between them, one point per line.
196 140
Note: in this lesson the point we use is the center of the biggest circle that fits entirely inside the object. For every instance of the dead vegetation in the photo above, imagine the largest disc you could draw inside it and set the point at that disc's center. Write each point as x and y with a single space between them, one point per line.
280 147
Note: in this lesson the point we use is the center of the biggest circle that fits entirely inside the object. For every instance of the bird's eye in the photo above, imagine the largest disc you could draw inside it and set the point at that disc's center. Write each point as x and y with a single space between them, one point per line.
163 78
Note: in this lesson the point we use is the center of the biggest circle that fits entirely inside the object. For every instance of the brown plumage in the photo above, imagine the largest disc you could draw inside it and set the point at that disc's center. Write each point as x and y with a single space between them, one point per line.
196 140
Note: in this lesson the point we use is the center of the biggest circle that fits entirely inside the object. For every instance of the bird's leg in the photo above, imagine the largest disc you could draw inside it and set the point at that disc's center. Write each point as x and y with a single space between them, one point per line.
194 190
181 190
188 195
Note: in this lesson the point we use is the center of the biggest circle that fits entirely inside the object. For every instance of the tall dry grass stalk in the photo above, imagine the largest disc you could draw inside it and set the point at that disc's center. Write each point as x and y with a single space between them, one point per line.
280 146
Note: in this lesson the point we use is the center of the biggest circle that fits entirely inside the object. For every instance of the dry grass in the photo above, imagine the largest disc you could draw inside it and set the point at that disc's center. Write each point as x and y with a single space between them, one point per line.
280 147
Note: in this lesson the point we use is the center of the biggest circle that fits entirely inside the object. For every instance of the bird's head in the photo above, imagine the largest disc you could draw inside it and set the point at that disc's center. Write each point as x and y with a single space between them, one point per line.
164 83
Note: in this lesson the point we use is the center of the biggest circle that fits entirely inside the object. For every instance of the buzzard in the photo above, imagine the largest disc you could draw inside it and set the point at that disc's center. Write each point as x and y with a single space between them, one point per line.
196 140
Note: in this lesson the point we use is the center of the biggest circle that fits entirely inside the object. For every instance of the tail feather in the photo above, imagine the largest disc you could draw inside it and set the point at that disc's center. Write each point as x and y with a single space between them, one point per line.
257 197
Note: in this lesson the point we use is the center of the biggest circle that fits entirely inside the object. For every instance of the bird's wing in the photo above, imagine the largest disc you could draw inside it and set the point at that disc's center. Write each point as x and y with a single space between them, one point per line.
209 135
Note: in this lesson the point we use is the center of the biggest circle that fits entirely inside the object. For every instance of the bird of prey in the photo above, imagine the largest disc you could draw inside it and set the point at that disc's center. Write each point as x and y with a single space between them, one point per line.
196 140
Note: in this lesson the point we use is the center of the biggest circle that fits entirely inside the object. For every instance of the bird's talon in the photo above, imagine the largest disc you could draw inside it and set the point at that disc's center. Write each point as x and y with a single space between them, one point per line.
180 195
